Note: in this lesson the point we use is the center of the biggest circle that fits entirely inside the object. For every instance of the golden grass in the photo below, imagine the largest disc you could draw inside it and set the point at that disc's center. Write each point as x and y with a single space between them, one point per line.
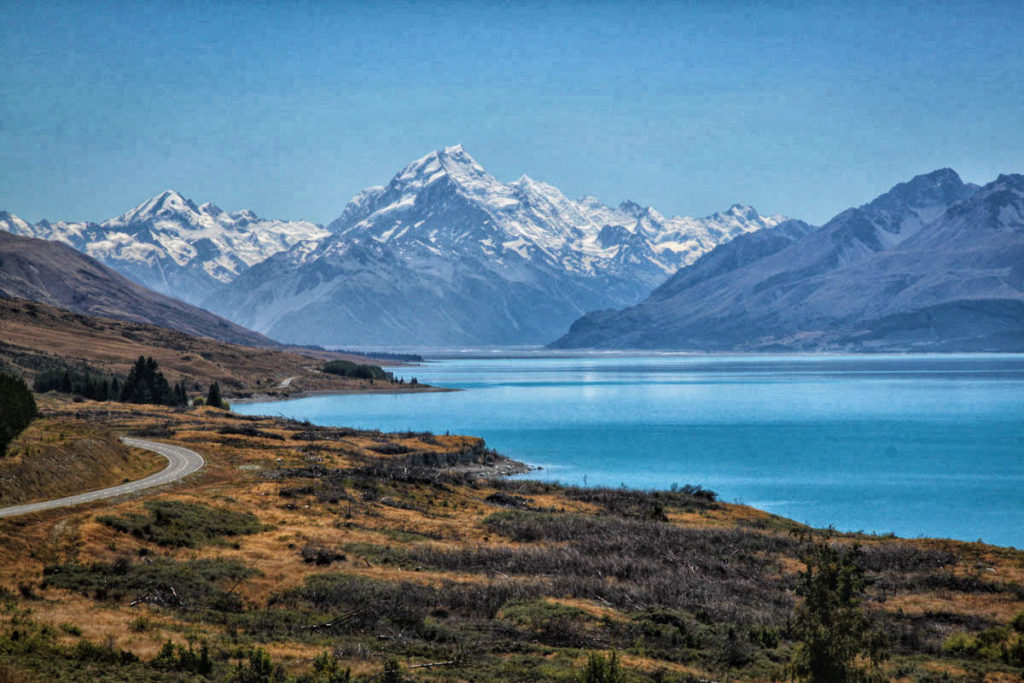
83 457
453 519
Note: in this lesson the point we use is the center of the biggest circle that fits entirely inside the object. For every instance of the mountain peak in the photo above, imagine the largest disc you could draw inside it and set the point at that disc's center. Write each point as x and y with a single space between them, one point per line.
940 187
453 151
631 208
451 163
172 199
168 202
210 209
1014 180
743 210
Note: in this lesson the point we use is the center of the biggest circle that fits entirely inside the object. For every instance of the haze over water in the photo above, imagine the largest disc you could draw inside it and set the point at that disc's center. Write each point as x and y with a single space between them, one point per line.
916 445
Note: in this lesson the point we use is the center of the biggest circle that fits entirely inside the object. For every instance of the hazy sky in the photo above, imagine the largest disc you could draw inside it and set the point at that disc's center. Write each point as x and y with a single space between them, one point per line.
290 108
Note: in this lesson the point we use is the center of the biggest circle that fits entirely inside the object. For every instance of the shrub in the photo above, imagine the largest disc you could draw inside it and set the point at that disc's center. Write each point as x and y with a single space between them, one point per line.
179 585
831 628
365 602
320 555
259 669
176 658
994 644
551 622
327 669
392 671
599 669
17 409
177 523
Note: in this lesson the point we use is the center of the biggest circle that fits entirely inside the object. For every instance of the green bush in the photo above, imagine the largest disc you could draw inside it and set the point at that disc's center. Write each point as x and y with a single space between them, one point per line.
392 671
17 409
259 669
327 669
178 585
994 644
176 658
833 632
600 669
177 523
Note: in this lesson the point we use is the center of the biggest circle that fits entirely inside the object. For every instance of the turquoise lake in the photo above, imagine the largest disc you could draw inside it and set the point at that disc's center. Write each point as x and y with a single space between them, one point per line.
915 445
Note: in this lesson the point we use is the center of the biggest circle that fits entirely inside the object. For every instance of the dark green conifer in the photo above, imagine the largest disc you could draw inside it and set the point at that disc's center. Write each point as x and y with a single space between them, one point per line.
213 397
17 408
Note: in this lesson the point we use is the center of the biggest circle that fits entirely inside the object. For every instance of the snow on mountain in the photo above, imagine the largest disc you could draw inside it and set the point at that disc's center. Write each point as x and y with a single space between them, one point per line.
447 254
933 264
175 247
422 204
11 223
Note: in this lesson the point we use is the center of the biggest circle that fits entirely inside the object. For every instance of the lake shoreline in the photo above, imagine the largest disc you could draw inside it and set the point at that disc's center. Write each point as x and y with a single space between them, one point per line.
915 445
268 398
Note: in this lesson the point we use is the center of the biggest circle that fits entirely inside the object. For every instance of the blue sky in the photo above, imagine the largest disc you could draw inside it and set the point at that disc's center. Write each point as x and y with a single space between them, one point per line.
290 108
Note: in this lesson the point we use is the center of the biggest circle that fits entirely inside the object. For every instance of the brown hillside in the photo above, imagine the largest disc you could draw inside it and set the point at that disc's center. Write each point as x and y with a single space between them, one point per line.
35 336
55 274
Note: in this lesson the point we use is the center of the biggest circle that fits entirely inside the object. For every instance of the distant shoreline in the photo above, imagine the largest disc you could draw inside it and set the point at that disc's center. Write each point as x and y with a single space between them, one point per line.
268 398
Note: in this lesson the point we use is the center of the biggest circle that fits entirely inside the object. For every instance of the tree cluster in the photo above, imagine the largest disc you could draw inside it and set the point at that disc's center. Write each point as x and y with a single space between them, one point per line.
17 408
84 382
346 368
146 384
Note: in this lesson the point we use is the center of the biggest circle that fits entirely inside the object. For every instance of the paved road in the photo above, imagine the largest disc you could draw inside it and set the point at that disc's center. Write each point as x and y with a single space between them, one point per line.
181 461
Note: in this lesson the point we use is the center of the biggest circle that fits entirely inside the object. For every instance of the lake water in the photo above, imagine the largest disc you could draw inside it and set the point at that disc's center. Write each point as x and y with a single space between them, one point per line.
916 445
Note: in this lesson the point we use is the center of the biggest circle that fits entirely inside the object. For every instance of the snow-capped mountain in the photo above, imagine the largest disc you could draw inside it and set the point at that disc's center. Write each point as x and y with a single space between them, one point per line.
933 264
448 201
447 254
173 246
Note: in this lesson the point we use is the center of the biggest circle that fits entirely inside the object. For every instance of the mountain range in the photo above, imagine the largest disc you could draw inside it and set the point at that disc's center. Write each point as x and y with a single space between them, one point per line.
935 264
444 254
173 246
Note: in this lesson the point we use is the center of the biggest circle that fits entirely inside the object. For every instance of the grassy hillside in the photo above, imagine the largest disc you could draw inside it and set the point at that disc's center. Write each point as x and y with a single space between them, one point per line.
302 551
36 336
85 457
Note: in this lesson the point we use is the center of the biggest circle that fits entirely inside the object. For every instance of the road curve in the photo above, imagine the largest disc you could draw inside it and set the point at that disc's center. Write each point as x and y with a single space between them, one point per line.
180 462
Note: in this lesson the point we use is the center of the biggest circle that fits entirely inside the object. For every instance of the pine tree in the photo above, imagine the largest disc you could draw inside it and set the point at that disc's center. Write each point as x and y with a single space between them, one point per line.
180 395
213 398
17 408
146 384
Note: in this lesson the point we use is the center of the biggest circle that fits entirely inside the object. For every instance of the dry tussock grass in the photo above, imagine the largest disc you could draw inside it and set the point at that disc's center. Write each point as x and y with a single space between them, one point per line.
447 515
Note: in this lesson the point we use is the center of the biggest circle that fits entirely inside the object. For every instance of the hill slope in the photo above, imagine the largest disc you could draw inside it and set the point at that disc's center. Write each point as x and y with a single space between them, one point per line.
34 337
55 274
931 265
